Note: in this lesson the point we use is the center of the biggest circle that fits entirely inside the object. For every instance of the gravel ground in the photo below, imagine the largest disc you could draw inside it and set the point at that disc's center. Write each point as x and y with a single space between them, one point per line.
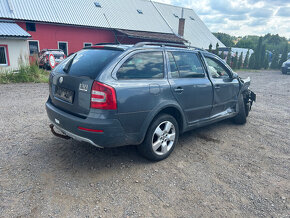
222 170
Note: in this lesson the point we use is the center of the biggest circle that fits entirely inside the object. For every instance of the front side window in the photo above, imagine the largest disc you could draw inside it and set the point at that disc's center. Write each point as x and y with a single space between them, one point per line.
146 65
33 47
217 69
185 65
173 67
3 56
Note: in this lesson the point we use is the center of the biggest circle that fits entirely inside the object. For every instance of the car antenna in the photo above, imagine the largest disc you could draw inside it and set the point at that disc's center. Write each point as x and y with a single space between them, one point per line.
69 63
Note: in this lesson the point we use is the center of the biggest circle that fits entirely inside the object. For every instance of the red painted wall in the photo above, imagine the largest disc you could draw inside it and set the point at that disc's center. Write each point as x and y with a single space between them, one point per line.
49 34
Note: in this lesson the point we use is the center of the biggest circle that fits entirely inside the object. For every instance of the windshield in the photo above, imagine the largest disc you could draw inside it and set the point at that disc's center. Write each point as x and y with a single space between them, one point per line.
88 62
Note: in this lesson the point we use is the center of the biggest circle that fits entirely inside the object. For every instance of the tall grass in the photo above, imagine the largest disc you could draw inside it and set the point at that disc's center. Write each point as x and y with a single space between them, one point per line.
25 74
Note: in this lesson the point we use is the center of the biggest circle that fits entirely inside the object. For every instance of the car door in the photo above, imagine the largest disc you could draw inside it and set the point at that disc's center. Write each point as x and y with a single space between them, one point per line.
226 89
140 87
190 84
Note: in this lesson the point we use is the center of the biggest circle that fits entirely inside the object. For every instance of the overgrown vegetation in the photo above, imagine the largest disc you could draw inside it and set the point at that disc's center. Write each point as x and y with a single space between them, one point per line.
272 42
269 51
226 39
25 74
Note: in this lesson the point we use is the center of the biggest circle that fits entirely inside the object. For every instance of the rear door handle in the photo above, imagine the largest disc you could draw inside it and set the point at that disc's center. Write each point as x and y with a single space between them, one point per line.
178 89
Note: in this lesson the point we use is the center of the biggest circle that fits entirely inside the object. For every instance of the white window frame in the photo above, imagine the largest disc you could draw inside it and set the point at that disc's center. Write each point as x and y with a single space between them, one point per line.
87 43
6 58
66 46
37 44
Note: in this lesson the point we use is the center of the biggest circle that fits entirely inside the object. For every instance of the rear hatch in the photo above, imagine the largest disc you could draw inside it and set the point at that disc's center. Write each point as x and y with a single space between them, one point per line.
71 81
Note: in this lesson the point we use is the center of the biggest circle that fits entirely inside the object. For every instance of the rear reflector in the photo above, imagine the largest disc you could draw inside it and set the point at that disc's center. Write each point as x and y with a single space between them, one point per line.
103 97
90 130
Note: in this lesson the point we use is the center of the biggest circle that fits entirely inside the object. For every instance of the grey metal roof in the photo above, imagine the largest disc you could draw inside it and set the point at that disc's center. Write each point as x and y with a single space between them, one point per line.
149 36
119 14
195 31
8 29
115 14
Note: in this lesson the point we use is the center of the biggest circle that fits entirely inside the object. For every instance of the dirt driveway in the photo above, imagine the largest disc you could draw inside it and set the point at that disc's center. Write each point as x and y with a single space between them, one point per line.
219 170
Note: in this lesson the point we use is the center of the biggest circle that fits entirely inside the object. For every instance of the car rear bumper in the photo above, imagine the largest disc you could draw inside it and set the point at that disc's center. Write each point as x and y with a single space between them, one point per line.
111 133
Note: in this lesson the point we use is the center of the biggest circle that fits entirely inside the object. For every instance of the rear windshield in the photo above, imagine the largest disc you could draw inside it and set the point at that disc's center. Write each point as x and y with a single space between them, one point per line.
88 62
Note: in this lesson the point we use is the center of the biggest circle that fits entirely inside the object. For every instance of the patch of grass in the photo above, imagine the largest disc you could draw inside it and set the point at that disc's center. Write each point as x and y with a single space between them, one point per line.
25 74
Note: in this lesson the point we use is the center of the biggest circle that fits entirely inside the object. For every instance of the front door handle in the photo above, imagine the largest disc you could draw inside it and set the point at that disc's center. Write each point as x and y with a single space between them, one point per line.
217 87
178 89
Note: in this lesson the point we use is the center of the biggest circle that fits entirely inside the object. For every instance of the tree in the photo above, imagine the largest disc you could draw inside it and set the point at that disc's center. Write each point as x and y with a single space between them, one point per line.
226 39
266 62
263 55
248 42
235 62
210 48
284 55
252 61
229 57
271 42
246 62
258 54
275 43
275 61
217 51
223 55
240 61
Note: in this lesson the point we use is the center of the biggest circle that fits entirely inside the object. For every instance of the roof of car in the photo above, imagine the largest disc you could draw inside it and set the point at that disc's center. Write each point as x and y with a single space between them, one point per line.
144 45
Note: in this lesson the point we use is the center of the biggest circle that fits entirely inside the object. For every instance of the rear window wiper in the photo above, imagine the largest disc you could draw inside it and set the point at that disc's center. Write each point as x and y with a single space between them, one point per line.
69 63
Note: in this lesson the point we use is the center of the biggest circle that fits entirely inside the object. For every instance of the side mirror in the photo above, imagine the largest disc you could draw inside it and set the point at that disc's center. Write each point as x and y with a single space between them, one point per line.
235 75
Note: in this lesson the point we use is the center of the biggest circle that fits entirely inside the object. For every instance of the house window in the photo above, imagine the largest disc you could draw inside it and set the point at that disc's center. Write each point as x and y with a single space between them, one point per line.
87 44
30 27
63 46
33 47
3 56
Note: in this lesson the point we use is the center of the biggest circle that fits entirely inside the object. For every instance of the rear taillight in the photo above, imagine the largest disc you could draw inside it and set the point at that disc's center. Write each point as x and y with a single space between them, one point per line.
103 97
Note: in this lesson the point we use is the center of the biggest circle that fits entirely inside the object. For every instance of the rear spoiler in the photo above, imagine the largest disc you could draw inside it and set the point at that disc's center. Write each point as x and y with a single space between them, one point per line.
107 47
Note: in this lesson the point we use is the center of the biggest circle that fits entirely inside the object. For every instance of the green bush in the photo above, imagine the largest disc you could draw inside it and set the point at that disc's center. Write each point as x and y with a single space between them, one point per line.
25 74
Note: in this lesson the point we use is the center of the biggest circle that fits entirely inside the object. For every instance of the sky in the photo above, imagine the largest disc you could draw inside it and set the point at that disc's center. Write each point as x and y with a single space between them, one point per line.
241 17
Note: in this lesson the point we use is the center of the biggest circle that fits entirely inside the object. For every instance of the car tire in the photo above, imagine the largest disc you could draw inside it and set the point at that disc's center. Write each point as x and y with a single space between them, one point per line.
47 67
241 117
161 138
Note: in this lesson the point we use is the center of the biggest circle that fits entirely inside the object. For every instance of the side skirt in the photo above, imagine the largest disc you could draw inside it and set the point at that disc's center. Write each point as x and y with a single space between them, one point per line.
229 113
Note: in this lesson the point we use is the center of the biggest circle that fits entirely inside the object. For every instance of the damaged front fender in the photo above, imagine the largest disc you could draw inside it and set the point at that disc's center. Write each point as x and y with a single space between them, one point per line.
248 95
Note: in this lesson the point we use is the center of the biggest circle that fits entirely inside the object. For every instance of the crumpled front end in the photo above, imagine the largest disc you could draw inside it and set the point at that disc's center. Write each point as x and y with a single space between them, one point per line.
249 96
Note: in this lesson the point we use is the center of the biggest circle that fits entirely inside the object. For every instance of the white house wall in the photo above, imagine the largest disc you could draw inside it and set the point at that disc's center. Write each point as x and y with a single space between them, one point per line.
18 53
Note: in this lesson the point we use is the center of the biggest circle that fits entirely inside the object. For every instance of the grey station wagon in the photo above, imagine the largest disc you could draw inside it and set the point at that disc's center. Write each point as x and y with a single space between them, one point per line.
145 94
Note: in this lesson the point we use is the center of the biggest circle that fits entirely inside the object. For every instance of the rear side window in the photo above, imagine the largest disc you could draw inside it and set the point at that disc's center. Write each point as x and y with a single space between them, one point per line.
185 65
88 62
146 65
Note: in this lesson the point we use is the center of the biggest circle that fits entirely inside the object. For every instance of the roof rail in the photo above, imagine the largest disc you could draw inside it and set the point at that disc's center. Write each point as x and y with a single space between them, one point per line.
108 43
163 44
